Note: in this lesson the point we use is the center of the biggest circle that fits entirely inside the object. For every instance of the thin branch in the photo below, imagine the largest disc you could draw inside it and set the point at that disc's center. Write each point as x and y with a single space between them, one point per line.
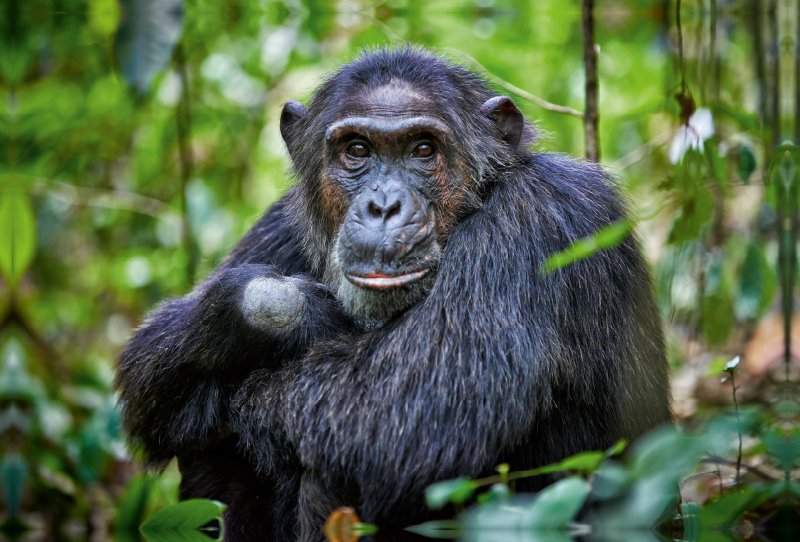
721 460
591 116
53 361
738 427
544 104
642 152
106 199
383 27
183 118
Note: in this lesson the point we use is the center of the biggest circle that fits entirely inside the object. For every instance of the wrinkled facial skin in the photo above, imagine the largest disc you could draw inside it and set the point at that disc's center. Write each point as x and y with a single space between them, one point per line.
386 168
391 187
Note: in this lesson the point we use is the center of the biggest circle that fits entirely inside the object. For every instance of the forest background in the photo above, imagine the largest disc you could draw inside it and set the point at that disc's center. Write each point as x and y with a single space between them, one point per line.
139 140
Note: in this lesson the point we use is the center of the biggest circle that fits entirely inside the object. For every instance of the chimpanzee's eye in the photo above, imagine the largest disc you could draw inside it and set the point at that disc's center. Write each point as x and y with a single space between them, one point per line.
423 150
358 150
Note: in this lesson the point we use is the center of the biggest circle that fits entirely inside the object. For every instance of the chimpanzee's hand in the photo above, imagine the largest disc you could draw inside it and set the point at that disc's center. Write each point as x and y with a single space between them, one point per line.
274 304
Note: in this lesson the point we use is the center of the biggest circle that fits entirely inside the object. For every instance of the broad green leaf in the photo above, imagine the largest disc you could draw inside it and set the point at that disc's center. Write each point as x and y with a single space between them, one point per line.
727 509
557 505
182 521
691 526
694 214
784 448
747 163
610 480
458 490
18 242
551 509
134 503
13 479
666 451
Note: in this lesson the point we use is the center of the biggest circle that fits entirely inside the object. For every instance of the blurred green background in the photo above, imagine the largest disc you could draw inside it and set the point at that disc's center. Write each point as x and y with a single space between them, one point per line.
139 139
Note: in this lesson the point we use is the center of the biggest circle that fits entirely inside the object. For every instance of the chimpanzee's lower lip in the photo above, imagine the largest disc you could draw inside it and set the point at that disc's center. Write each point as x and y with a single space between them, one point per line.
379 281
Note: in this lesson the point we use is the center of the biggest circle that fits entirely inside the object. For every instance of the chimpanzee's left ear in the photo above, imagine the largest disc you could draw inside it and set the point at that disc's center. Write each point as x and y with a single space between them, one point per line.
508 118
292 112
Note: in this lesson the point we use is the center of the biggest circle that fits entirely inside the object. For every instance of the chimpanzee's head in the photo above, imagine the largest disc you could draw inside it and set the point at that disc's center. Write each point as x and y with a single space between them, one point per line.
393 151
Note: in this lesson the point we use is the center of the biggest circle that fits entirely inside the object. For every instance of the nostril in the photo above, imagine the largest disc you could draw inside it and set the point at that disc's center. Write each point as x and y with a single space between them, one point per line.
393 210
373 210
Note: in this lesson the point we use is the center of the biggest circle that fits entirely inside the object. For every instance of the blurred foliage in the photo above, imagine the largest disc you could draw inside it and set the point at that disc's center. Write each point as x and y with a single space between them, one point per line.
139 139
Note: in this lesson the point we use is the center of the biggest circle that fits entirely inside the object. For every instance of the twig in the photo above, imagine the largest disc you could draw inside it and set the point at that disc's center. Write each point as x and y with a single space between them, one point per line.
383 27
544 104
721 460
591 117
738 428
183 118
642 152
106 199
52 359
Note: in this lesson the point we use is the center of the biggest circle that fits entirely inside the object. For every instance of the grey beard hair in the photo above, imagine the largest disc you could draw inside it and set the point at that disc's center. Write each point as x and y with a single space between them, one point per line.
372 308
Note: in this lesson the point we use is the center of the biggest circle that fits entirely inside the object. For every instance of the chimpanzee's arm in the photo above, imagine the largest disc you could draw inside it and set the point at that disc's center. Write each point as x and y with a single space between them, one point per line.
178 373
498 358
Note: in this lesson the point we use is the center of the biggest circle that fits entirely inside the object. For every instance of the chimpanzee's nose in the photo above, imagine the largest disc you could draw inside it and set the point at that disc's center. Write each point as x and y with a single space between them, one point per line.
386 204
384 210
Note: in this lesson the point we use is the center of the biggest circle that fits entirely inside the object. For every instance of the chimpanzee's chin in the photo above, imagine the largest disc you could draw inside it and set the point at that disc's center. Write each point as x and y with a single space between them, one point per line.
381 304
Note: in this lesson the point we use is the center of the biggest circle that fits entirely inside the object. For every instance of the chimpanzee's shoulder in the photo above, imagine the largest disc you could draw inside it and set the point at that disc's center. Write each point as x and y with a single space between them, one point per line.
568 188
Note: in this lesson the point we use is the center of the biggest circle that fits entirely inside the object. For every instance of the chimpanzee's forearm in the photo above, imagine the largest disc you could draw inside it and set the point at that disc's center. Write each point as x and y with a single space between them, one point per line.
179 371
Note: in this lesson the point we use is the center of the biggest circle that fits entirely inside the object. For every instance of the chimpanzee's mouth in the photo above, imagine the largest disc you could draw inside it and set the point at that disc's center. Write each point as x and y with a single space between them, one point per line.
379 281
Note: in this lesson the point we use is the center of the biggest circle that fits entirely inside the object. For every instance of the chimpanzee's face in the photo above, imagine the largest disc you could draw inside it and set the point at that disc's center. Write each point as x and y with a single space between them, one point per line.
388 174
391 182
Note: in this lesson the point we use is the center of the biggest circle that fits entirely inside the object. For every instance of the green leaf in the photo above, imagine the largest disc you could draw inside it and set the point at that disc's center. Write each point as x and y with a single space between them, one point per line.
747 163
134 503
13 480
694 214
691 526
437 529
610 480
498 492
364 529
617 448
457 491
551 509
605 238
556 505
181 522
727 509
584 461
757 284
784 448
18 245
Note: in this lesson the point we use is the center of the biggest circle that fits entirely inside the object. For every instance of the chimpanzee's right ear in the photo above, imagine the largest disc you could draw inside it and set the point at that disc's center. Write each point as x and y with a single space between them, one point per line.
292 112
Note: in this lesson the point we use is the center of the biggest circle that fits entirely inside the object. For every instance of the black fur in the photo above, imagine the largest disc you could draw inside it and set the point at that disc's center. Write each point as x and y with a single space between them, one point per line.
498 363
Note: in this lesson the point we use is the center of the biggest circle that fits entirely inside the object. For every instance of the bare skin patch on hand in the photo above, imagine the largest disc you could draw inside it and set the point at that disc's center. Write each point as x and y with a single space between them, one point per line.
273 304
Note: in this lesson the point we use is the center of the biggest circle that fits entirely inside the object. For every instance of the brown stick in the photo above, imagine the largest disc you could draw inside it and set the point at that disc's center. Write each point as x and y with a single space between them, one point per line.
183 118
590 115
515 89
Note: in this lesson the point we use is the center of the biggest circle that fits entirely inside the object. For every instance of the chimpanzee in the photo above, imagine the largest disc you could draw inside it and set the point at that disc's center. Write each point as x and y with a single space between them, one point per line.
387 324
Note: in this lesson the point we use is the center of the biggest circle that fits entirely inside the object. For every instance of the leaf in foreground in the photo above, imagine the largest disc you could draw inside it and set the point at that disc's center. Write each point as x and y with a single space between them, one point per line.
552 508
181 522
